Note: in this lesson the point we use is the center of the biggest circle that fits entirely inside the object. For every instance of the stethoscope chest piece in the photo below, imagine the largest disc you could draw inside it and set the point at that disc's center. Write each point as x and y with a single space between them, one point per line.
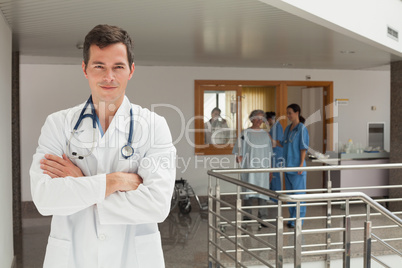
127 151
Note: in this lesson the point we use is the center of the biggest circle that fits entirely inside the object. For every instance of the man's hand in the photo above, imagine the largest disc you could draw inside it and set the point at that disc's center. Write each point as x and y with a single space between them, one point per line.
121 181
57 167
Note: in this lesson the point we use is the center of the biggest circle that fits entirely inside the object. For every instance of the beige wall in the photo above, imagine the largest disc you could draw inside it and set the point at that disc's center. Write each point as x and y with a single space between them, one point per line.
48 88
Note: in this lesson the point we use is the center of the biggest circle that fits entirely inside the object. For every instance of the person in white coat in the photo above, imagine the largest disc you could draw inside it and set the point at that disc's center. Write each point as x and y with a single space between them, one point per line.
105 169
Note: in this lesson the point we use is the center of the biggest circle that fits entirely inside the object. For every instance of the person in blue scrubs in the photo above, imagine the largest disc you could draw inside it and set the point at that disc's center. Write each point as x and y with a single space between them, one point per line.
295 145
276 133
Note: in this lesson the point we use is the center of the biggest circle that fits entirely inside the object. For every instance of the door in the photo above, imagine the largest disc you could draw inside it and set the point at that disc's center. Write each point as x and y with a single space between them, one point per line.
312 109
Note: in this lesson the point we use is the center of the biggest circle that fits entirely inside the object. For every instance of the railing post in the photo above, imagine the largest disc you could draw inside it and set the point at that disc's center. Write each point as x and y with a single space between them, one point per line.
298 237
279 237
367 240
347 237
210 220
329 224
217 219
238 224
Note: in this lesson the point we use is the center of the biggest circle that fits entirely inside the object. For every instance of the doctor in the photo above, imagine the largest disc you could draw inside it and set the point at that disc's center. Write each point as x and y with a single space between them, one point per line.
295 145
105 169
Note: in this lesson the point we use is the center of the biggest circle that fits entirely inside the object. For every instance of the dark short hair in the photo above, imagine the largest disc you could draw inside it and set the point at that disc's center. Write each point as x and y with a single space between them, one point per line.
104 35
216 109
269 115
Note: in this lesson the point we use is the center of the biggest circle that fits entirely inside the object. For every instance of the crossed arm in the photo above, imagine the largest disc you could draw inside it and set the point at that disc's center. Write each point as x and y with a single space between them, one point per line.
57 167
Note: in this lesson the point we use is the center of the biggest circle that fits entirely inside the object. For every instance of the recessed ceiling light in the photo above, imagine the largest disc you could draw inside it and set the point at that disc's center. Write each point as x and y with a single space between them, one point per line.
287 64
79 46
347 51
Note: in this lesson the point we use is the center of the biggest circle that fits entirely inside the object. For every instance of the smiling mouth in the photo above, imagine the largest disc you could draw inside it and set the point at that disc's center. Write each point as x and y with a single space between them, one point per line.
107 87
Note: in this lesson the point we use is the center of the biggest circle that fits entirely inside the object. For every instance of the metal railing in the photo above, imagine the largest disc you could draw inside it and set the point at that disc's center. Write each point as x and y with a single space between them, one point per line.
229 238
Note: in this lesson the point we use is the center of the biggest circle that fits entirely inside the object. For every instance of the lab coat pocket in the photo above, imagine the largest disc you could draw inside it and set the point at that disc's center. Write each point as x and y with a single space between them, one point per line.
57 253
129 165
149 251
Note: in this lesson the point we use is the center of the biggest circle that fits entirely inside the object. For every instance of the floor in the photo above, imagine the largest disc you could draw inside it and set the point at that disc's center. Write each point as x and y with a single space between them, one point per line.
185 237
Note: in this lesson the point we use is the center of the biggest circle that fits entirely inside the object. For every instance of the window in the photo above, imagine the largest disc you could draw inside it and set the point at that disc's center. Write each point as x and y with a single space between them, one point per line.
220 124
216 123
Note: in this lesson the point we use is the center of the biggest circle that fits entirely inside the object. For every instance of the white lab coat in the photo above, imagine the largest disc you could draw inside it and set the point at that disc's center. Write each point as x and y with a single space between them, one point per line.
89 230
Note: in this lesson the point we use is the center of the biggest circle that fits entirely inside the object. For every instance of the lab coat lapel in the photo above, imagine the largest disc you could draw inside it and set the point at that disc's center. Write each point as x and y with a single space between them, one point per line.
123 116
85 137
122 122
82 141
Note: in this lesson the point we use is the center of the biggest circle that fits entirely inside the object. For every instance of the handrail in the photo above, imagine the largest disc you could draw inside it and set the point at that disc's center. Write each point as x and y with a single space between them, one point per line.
309 197
316 168
387 245
326 197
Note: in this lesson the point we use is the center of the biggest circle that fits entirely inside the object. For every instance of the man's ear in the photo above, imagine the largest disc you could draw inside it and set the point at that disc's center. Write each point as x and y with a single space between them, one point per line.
84 67
132 71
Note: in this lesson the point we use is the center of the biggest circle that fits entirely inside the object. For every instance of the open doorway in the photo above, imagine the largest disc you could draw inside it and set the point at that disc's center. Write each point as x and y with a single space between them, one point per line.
311 101
312 106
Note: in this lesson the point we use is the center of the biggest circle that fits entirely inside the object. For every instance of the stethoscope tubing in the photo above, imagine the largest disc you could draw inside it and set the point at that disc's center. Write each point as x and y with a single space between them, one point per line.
126 151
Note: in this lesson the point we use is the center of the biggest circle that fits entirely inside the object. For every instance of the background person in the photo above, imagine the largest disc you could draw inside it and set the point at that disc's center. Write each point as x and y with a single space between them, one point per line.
254 150
104 187
295 145
213 125
276 133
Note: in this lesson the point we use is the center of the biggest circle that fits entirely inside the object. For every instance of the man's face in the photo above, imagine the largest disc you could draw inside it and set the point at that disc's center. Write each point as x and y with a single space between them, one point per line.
215 115
108 73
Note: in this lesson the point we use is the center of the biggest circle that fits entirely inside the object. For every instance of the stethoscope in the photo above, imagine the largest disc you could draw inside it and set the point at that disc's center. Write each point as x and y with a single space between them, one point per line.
289 134
126 151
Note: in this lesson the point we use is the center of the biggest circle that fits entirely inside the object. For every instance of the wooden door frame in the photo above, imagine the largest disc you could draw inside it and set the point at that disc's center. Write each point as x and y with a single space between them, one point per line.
281 103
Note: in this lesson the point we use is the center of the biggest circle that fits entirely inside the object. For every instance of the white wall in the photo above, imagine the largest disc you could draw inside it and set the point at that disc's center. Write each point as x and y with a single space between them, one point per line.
374 17
48 88
6 222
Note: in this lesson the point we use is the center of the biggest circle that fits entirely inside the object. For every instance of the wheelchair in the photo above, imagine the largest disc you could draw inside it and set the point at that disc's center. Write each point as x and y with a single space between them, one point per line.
182 194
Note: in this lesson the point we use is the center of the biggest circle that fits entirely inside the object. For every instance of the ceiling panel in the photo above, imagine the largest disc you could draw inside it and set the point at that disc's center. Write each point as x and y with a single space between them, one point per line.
234 33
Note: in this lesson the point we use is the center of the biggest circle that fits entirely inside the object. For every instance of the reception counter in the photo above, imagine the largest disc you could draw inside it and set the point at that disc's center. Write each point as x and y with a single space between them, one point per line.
360 177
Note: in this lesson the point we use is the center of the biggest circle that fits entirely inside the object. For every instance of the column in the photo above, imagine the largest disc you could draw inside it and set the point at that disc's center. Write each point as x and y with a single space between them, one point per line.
395 176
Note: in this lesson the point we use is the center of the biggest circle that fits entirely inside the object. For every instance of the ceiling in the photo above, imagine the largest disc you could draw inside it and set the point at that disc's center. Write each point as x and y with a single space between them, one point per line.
225 33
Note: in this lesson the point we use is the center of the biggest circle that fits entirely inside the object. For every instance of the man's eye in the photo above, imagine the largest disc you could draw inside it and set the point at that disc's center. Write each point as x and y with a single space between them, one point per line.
98 66
119 67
